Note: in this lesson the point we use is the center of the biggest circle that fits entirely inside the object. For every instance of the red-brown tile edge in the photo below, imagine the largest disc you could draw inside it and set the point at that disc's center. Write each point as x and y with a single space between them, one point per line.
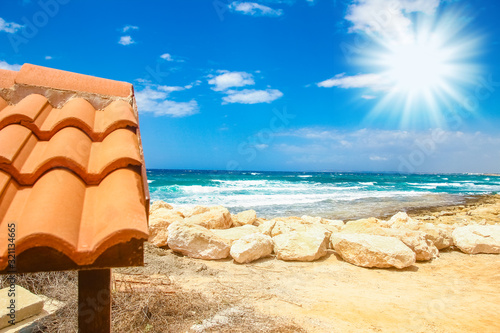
80 258
43 259
144 174
61 162
58 79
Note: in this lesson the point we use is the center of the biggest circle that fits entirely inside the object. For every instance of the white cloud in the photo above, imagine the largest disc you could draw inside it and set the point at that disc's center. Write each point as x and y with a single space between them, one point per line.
387 17
48 57
377 158
254 9
9 27
261 146
252 96
126 40
129 27
227 79
434 150
5 65
368 97
154 99
167 57
374 81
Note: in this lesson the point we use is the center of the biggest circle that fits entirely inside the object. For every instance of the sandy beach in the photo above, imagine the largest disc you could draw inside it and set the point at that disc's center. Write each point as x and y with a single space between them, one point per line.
455 292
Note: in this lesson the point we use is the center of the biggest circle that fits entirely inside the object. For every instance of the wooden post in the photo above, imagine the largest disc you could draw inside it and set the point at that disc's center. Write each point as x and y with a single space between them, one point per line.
94 301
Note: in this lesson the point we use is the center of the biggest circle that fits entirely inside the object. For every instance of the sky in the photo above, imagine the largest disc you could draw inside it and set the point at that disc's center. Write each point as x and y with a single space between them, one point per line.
285 85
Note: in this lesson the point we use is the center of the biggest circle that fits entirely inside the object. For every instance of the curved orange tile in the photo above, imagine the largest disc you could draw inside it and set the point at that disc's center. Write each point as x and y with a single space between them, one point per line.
27 110
118 114
35 113
77 112
79 221
26 158
12 139
3 103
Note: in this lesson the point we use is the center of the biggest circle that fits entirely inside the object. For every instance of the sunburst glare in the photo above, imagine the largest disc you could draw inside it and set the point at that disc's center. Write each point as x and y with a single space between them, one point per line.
426 72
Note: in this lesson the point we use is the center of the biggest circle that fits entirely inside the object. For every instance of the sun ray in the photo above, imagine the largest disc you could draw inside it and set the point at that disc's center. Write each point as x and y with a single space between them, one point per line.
426 72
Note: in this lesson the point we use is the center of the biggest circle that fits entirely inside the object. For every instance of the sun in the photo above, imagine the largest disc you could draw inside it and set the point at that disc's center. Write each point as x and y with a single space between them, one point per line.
417 66
424 75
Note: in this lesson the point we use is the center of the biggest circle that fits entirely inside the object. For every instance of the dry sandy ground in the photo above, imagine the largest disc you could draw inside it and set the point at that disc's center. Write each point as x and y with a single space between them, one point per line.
454 293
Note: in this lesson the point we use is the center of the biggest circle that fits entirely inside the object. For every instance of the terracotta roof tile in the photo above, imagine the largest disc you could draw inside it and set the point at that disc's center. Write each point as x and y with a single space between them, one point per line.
57 79
72 178
7 78
78 220
35 113
26 158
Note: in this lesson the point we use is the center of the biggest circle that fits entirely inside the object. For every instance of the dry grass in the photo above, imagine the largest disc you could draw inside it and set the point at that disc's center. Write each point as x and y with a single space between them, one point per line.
149 308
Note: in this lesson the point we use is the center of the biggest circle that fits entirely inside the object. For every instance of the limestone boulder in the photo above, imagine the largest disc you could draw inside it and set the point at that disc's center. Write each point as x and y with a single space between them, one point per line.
191 211
439 235
416 240
244 218
306 245
235 233
216 217
196 241
360 225
473 239
251 247
159 220
267 227
258 221
159 204
312 219
295 225
336 223
372 250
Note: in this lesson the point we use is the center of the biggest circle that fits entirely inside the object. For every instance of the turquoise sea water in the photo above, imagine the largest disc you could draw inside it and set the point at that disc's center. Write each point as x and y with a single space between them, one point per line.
330 195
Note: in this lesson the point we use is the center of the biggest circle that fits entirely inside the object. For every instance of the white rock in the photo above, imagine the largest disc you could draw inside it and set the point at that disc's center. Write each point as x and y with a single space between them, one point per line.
439 235
416 240
159 204
245 217
312 219
474 239
196 241
159 221
267 227
217 217
308 245
293 225
251 247
335 223
191 211
373 251
233 234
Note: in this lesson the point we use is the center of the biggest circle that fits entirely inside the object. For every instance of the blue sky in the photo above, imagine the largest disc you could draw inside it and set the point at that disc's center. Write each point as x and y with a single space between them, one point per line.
324 85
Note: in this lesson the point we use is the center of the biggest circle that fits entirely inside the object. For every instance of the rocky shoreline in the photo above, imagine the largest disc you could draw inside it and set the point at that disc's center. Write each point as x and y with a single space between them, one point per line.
212 233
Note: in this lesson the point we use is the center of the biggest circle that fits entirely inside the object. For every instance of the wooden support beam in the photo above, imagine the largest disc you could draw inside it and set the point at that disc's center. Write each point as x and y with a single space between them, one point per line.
94 301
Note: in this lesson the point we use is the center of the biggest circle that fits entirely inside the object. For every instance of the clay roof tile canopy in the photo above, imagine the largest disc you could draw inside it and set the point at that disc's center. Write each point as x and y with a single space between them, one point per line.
72 173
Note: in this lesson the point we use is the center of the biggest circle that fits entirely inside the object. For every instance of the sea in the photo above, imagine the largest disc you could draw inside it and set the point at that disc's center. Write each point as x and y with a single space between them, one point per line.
333 195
